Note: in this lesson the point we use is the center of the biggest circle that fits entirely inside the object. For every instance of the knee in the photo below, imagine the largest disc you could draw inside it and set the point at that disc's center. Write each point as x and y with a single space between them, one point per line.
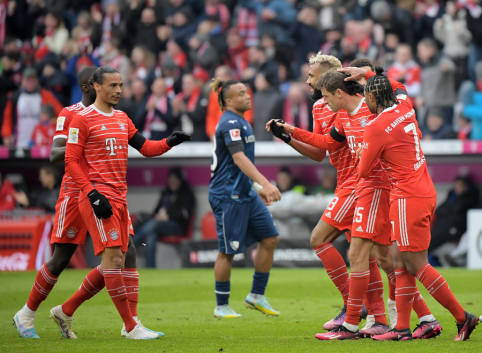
270 243
317 238
57 264
411 268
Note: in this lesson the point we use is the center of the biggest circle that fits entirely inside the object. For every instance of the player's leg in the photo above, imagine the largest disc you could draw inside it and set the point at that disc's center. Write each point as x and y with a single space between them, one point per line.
261 229
231 225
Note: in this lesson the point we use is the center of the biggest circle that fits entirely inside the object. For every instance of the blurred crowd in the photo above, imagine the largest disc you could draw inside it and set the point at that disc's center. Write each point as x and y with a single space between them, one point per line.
168 50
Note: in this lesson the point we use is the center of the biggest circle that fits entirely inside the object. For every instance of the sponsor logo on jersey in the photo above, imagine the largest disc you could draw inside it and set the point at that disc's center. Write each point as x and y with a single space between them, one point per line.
234 245
249 139
328 215
363 121
114 234
324 124
121 125
73 135
60 123
232 121
71 232
359 229
103 128
235 134
348 125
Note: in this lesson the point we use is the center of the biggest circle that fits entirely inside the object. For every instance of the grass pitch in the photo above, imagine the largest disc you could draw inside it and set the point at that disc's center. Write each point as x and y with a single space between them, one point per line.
180 303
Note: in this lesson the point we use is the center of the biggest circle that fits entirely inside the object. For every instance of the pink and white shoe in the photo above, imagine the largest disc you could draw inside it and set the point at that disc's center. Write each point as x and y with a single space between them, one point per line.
338 333
338 320
395 335
426 330
375 330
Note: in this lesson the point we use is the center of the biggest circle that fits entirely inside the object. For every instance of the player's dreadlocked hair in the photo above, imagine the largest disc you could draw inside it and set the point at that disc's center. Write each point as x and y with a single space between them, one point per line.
381 88
220 87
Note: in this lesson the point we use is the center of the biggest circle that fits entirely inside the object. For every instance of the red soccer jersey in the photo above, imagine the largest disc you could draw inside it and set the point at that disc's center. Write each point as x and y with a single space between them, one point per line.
352 126
393 138
68 187
340 155
103 140
42 135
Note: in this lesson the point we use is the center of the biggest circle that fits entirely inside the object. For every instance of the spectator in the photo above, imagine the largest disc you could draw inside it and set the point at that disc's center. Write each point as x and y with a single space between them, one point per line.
202 53
54 79
114 57
167 69
214 113
174 50
406 71
437 128
333 12
332 46
307 35
297 108
393 20
82 32
47 197
183 25
285 181
388 56
10 78
106 27
259 63
138 101
158 121
22 111
465 128
74 66
238 52
54 37
451 30
142 60
275 17
327 176
437 78
172 215
9 197
190 106
474 25
268 104
146 31
451 215
428 12
45 130
218 9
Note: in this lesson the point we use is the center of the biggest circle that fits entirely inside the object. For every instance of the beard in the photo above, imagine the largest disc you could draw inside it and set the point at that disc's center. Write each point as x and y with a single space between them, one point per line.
316 95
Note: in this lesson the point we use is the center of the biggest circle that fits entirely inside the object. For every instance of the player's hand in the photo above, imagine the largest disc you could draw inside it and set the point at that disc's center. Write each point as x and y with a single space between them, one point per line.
177 137
358 152
278 128
263 198
353 87
270 193
355 72
101 206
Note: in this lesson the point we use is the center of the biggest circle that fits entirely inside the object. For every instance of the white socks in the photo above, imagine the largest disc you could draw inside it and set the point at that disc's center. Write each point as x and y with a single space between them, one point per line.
256 296
350 327
427 318
27 311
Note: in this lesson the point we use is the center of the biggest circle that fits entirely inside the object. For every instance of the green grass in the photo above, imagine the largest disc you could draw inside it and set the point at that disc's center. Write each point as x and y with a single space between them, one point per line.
180 303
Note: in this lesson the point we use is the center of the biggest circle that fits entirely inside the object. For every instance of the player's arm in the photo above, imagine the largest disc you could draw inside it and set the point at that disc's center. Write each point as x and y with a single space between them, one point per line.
371 151
329 142
57 152
78 134
357 73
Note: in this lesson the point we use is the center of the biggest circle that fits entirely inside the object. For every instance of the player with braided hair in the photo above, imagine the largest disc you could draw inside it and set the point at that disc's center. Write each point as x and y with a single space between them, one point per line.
393 138
242 218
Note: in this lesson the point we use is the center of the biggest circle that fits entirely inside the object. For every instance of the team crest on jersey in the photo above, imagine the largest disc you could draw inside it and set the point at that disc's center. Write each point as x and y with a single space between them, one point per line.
114 234
121 125
234 245
71 232
363 121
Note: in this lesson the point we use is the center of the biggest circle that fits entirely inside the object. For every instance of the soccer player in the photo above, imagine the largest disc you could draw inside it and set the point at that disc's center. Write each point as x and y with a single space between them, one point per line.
393 138
241 215
338 216
99 137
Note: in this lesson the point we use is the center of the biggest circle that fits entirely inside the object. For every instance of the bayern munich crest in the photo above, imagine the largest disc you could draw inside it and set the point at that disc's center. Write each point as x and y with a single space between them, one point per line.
114 234
71 232
121 125
363 122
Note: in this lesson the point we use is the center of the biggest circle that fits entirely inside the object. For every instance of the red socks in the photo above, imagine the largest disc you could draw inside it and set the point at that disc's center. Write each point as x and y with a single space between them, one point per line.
358 288
131 280
117 291
374 293
391 285
44 282
404 294
335 267
93 283
439 289
419 305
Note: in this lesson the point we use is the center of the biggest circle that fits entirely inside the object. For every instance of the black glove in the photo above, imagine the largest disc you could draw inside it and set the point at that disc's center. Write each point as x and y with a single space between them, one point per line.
278 131
353 87
177 137
100 205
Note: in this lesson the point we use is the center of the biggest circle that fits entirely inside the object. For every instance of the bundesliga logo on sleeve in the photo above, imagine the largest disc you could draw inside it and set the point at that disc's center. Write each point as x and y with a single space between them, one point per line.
73 135
60 123
235 134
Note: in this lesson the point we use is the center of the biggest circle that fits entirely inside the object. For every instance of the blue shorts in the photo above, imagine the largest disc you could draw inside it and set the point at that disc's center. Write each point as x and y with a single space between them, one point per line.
240 225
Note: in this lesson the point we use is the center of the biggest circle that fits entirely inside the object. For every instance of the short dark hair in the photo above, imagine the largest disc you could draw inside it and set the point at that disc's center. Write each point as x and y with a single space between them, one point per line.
49 169
429 42
362 62
332 80
98 76
85 75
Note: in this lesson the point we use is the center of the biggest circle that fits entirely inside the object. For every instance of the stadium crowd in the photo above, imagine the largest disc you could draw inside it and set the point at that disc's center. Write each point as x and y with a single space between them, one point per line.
168 50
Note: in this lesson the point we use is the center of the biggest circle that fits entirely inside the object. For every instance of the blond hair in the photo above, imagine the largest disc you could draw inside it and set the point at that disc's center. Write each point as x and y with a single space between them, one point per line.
329 61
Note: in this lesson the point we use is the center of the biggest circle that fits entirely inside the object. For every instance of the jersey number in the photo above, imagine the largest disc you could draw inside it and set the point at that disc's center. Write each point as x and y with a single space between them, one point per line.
413 128
215 157
333 203
358 215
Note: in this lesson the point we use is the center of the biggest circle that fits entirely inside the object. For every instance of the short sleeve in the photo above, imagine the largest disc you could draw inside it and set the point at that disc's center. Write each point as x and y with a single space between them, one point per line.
131 129
78 131
231 132
62 125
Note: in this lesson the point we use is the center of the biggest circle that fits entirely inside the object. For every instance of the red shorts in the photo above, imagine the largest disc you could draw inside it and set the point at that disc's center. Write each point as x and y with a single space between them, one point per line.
106 233
371 219
410 220
68 225
339 213
130 229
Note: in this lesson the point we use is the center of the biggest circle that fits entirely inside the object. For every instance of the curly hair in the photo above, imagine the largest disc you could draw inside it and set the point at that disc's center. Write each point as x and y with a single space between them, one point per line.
379 85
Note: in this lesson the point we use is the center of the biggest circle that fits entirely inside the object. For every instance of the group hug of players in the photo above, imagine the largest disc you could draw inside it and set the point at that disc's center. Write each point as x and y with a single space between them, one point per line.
384 196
